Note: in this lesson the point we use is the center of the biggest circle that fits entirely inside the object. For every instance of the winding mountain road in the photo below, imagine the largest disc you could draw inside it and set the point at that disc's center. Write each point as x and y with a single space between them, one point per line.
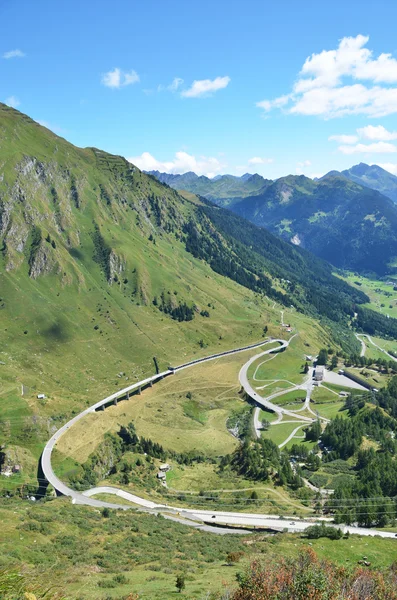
363 346
267 401
207 520
113 398
360 335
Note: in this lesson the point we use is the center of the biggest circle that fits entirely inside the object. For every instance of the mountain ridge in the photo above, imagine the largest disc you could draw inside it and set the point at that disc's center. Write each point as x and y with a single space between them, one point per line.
224 190
336 217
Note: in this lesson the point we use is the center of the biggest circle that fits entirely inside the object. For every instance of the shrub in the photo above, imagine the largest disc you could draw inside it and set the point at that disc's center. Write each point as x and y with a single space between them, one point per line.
120 579
308 577
318 531
180 582
234 557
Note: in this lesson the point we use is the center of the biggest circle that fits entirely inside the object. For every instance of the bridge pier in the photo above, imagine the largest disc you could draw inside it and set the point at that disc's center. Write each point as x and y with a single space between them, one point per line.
139 390
115 402
103 407
128 395
151 384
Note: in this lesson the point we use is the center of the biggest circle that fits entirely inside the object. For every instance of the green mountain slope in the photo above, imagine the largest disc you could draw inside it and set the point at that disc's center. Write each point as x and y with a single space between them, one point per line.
342 222
103 269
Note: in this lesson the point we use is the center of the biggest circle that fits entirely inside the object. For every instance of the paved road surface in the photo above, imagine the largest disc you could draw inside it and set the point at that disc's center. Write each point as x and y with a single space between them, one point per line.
257 422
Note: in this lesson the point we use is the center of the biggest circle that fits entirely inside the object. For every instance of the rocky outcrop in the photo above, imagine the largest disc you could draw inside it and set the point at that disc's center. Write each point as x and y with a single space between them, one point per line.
43 262
116 265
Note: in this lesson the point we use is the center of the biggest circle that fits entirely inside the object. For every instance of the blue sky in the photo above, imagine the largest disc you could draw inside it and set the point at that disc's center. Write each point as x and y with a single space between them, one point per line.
221 86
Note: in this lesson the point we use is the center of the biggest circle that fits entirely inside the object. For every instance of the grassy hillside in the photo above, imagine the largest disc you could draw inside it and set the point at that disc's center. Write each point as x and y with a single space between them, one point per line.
88 242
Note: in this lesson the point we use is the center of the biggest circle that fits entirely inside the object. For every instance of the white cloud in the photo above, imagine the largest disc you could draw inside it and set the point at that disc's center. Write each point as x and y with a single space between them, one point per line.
376 147
205 87
13 101
376 132
343 139
172 87
182 162
267 105
391 167
14 54
118 78
322 88
257 160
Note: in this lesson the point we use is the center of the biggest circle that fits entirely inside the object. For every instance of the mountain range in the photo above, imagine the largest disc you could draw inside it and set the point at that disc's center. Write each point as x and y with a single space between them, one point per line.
344 217
222 189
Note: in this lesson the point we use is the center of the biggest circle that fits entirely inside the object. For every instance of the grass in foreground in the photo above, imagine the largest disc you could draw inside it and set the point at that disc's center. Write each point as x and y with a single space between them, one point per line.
79 550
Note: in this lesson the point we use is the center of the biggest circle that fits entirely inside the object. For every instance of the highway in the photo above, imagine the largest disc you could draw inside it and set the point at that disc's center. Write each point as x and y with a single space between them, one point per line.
207 520
267 402
193 517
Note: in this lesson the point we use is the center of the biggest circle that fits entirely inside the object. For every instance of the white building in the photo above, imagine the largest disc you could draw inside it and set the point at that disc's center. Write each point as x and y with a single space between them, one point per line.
319 373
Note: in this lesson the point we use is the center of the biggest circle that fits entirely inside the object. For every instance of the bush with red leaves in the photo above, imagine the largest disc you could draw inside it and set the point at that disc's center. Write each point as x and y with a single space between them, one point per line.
309 578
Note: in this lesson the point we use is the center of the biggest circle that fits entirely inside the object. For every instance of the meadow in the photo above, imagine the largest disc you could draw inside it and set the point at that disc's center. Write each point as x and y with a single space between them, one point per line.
79 548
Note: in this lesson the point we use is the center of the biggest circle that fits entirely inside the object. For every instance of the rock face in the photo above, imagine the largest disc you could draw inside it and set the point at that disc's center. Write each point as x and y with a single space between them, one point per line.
66 192
43 262
117 266
296 240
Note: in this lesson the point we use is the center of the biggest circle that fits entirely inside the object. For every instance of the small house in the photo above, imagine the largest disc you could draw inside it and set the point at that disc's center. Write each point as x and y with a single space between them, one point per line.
161 475
319 373
16 469
165 467
41 396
